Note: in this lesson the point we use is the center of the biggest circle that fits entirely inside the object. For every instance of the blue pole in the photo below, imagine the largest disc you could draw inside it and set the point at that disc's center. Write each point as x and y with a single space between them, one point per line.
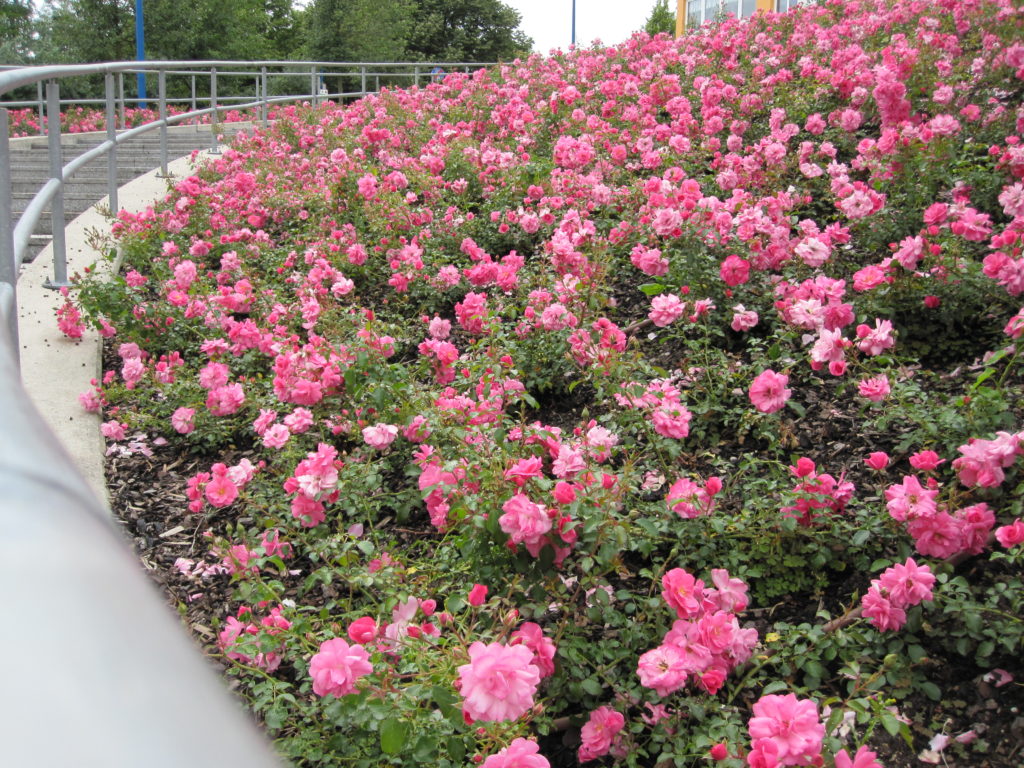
573 21
140 51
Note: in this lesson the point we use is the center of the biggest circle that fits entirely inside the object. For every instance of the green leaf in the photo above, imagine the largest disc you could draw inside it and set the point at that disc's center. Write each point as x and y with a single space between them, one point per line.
392 736
591 686
931 690
775 687
797 408
834 719
652 289
861 536
983 377
456 749
889 722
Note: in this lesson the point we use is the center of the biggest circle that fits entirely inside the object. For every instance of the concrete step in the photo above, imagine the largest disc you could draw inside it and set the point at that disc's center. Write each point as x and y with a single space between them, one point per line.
30 184
41 158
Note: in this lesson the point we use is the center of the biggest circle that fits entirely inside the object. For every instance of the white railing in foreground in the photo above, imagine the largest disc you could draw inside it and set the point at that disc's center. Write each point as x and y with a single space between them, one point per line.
99 673
14 238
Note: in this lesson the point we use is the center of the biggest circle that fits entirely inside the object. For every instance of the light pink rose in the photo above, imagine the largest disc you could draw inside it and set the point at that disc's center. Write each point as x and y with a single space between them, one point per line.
337 666
380 436
499 682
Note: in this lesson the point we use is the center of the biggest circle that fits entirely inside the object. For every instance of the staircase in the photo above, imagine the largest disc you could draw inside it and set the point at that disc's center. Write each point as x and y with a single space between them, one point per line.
30 169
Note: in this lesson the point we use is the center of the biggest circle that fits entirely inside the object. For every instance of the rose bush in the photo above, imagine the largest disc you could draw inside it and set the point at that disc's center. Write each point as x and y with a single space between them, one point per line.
551 387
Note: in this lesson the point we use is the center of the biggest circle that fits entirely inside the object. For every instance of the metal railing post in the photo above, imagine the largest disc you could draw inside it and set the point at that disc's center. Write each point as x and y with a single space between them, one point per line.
120 98
416 75
194 107
162 90
264 107
362 81
112 152
8 269
314 87
60 265
213 115
42 102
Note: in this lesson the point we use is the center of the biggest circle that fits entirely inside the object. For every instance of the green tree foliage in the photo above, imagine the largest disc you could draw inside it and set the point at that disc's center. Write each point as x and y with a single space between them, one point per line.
358 30
416 30
104 30
15 17
466 30
77 31
662 19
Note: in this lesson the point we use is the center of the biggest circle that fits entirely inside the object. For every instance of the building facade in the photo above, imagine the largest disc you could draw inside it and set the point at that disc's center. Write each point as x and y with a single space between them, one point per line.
693 13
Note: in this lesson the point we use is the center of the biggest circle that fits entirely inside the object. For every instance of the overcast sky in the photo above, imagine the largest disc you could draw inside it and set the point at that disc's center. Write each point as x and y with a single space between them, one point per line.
549 22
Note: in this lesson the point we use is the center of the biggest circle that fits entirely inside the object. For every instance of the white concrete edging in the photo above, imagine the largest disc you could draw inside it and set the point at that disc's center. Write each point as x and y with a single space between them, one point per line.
56 369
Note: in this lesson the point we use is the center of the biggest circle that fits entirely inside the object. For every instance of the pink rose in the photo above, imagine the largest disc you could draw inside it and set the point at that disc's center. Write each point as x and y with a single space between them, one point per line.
363 630
477 595
521 753
225 400
525 522
1011 535
743 319
220 491
663 669
380 436
337 666
183 420
926 461
768 391
683 592
874 389
499 682
599 732
666 309
113 430
791 724
878 460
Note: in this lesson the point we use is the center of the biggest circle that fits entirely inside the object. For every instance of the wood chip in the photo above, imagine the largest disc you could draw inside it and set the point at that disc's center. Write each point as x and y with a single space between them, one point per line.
172 531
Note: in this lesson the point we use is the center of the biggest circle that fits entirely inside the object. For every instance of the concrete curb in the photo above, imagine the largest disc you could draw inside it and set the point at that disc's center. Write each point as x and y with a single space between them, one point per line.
55 369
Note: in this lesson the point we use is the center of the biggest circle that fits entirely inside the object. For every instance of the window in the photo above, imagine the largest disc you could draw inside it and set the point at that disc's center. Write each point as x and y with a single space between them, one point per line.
785 5
700 11
694 13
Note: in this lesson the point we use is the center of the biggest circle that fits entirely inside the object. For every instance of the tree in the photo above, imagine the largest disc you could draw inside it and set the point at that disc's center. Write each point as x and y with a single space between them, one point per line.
661 19
15 26
466 30
104 30
78 31
358 30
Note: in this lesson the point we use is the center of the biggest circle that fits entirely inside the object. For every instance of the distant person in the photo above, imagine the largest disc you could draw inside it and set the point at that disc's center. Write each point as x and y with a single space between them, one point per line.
436 74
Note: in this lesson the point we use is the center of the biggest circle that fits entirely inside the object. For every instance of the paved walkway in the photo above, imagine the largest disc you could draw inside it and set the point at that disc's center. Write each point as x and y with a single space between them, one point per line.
56 369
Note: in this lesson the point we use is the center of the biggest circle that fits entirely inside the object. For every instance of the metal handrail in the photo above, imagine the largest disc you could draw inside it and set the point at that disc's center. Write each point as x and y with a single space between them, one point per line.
14 240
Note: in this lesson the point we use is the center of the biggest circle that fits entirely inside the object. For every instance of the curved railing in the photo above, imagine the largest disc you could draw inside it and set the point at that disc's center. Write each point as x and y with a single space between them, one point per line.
14 238
99 673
